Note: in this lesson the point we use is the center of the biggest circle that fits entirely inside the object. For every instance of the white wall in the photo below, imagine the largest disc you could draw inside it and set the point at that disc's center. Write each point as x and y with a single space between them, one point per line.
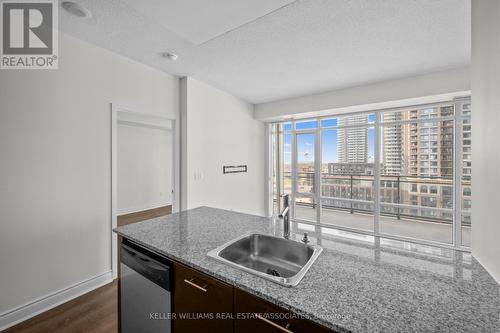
55 148
218 129
144 166
407 91
485 136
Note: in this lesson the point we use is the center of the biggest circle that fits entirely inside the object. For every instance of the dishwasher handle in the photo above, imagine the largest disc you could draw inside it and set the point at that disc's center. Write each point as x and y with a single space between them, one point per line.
140 261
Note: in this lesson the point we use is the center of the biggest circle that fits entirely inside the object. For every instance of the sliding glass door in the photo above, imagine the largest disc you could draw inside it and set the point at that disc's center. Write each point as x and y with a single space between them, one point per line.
401 173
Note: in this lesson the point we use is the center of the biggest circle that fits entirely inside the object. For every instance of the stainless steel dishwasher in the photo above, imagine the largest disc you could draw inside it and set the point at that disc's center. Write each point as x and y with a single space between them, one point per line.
146 282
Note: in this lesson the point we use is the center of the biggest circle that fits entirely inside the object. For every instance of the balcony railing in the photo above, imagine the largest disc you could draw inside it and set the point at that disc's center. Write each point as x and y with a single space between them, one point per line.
408 197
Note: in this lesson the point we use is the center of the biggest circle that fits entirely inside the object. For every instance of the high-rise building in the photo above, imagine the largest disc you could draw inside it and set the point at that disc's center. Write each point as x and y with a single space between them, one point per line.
467 164
392 158
421 149
350 168
466 143
431 144
353 142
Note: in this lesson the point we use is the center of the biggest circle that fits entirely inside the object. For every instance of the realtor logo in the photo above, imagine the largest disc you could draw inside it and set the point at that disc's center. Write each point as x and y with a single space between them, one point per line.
29 34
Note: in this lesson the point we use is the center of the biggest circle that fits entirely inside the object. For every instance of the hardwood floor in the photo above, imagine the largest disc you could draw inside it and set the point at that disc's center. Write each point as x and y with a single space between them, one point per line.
94 312
143 215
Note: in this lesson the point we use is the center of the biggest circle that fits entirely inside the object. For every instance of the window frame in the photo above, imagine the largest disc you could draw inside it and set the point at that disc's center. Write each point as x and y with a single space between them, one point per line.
459 118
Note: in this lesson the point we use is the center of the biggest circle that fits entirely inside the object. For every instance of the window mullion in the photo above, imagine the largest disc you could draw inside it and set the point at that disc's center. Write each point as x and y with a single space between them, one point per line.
317 170
279 163
457 176
376 175
294 169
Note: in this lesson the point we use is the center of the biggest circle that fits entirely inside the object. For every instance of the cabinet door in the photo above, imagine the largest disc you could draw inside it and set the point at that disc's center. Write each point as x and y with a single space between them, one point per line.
253 314
202 303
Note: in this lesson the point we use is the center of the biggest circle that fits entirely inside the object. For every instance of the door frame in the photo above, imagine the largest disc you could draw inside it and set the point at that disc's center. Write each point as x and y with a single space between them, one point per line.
143 119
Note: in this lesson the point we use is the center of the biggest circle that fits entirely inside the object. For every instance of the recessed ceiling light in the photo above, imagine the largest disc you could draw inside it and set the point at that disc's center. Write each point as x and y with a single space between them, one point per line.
76 9
170 56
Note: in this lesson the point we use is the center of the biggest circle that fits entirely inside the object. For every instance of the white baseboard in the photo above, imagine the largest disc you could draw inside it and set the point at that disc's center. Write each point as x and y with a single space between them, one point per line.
35 307
128 210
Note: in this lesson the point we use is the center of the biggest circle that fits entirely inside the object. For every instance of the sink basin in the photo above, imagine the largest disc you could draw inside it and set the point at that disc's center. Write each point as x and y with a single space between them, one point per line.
277 259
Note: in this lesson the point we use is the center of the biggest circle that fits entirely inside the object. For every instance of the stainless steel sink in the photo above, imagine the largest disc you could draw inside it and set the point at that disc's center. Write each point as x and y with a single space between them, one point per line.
277 259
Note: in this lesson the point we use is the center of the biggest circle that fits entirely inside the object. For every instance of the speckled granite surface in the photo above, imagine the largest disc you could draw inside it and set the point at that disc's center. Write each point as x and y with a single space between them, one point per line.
358 284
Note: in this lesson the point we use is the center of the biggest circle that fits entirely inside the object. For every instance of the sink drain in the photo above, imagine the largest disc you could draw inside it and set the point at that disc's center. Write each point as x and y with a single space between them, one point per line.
272 272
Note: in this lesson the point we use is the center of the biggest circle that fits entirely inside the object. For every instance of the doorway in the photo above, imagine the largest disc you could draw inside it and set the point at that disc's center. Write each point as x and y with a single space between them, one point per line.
143 169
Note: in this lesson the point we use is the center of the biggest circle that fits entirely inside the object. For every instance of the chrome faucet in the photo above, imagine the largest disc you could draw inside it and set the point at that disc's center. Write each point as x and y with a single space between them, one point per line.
285 215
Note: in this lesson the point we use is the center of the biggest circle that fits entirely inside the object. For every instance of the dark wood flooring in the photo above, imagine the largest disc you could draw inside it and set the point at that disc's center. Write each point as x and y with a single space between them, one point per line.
143 215
94 312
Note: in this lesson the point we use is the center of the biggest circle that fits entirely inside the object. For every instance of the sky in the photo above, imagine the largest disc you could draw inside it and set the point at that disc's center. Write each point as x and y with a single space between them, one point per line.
305 142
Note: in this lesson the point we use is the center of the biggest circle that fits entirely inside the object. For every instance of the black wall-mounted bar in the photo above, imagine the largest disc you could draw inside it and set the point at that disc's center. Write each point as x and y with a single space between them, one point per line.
234 168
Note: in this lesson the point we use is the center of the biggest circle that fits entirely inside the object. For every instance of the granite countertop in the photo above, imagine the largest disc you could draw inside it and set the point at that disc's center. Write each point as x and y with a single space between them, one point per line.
358 284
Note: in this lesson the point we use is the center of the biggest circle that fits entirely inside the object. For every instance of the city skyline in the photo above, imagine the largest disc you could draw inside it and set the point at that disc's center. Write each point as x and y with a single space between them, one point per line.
416 159
329 146
425 149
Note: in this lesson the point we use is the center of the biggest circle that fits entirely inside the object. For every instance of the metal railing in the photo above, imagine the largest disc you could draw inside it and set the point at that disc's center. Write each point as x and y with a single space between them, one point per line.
409 197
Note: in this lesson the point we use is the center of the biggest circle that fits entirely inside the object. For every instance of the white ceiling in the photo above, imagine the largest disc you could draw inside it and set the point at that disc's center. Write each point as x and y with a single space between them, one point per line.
266 50
199 21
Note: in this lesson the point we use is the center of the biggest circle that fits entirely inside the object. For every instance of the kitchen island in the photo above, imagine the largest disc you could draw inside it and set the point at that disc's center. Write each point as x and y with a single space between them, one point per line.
358 284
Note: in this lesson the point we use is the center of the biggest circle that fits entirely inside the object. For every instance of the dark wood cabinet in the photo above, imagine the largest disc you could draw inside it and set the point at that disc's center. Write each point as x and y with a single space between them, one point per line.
205 304
253 314
201 303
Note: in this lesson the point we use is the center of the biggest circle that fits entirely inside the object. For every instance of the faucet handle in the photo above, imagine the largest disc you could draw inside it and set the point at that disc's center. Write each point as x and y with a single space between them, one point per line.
283 213
305 239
